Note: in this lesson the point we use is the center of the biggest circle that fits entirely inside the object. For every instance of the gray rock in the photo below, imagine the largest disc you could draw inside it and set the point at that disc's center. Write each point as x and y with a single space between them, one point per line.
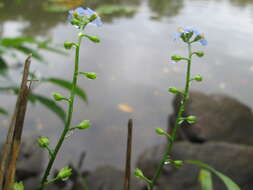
109 178
232 160
220 118
30 162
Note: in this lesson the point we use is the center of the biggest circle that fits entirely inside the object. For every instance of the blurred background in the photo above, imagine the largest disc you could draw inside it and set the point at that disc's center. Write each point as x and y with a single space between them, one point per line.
133 66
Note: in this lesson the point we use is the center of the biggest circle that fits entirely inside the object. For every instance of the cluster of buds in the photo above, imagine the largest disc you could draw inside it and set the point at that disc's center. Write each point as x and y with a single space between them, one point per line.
190 35
80 17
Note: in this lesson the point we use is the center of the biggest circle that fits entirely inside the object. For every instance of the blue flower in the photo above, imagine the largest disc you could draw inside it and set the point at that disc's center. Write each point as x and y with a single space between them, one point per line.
85 12
203 41
89 12
191 29
179 33
186 30
182 33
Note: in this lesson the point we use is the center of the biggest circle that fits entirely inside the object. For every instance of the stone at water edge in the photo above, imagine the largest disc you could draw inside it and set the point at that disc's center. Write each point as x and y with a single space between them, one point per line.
233 160
220 118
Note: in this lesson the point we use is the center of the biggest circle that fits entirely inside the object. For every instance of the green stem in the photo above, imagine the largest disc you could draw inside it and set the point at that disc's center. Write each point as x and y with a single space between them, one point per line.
177 124
52 181
69 119
49 151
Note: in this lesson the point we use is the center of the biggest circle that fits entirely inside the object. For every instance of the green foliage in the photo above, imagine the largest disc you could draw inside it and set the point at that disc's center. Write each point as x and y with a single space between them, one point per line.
50 104
3 111
3 66
67 85
205 179
227 181
22 44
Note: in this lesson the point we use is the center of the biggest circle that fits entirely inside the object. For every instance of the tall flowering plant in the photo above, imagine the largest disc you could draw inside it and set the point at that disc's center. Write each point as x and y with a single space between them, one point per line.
80 18
189 36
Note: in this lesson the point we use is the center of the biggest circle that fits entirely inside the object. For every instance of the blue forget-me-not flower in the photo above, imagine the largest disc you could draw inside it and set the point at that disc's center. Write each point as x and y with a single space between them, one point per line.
182 33
85 12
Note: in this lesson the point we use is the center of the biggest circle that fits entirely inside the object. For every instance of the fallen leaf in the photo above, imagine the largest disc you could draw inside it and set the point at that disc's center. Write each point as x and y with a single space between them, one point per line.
125 108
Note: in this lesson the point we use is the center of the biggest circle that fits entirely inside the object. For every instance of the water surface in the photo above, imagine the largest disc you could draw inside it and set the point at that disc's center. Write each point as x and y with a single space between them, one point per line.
134 70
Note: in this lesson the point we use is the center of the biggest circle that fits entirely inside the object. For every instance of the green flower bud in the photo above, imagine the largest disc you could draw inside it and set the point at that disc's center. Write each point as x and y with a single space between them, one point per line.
43 142
160 131
68 45
197 38
94 39
199 54
138 173
64 173
198 78
89 75
18 186
58 97
176 58
174 90
177 163
191 119
93 17
75 21
84 125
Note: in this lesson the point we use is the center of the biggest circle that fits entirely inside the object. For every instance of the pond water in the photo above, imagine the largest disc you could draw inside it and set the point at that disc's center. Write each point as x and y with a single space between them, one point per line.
134 70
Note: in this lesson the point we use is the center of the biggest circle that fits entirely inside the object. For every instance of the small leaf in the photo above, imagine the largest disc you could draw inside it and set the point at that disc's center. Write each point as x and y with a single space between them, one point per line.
8 89
3 66
67 85
28 51
205 179
227 181
11 42
3 111
50 104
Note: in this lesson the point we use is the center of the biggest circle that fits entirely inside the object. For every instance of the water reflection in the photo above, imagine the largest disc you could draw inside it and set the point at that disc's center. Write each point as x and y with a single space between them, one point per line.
37 20
242 3
40 16
166 7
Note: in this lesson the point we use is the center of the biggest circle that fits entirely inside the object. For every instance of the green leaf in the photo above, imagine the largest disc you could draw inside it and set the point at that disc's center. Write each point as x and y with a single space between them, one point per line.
44 45
3 66
205 179
50 104
11 42
28 51
227 181
3 111
67 85
8 89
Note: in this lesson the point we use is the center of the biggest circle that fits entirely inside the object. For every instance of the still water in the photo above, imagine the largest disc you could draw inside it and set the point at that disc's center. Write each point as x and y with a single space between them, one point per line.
133 67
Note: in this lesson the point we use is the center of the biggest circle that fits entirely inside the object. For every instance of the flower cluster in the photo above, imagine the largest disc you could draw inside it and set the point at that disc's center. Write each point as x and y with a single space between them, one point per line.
190 35
80 17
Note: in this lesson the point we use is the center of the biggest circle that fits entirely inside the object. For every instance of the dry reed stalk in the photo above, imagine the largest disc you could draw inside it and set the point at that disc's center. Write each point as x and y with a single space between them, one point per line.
128 156
12 145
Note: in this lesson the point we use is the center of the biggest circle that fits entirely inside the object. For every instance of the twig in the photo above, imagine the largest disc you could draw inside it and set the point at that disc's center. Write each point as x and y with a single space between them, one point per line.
12 146
128 156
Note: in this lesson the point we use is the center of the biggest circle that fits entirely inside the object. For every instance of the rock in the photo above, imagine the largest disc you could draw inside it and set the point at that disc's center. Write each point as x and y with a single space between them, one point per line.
29 163
232 160
109 178
220 118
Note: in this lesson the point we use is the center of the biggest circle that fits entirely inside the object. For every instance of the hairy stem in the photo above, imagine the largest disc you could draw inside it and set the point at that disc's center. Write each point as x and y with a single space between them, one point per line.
69 118
177 124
